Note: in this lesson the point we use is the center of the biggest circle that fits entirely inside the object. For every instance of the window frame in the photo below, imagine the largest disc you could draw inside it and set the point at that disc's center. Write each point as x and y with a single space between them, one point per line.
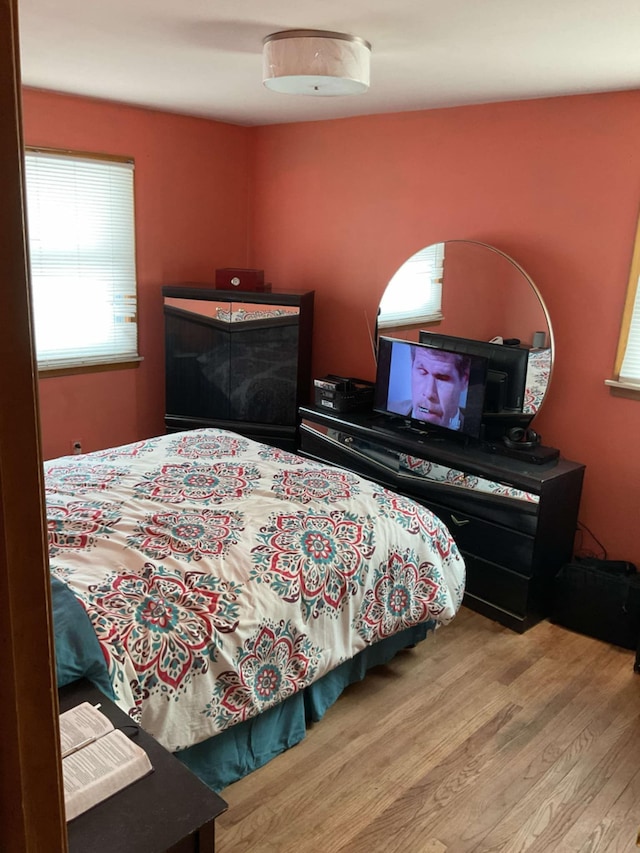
108 362
625 387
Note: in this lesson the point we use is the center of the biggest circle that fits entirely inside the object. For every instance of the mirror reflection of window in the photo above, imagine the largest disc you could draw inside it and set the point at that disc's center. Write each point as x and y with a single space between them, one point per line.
414 294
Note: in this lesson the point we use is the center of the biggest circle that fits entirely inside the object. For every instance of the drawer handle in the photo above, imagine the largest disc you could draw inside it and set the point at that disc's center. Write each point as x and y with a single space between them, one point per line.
459 521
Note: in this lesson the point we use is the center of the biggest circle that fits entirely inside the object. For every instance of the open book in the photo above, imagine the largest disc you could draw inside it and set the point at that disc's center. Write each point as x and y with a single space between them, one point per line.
97 759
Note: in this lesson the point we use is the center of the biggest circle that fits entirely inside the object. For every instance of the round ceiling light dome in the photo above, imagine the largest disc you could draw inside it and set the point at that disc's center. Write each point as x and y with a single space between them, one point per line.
315 62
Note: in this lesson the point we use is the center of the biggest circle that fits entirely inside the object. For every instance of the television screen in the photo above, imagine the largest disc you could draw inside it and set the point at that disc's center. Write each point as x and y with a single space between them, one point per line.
430 387
506 369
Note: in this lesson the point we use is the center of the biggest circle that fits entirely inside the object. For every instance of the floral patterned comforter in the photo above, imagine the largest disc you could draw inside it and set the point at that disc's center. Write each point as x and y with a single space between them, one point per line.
222 575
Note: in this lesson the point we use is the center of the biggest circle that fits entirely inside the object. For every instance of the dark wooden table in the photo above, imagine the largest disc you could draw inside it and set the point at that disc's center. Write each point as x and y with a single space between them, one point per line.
168 811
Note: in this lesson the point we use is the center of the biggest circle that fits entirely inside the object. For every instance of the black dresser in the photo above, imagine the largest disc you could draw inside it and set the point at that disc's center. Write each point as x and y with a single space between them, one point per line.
237 360
513 521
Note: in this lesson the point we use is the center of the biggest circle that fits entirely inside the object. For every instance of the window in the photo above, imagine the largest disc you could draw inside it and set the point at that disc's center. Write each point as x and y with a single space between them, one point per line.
627 366
82 251
414 294
630 369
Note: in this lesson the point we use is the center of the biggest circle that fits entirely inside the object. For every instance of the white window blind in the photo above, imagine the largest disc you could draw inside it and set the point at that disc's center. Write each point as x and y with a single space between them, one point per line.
414 294
82 248
630 369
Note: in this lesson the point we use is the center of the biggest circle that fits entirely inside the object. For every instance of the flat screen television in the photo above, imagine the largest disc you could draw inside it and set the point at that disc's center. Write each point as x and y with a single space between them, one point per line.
506 369
506 380
431 389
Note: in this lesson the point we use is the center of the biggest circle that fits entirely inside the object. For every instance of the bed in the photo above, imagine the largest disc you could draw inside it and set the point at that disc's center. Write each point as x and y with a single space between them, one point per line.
224 592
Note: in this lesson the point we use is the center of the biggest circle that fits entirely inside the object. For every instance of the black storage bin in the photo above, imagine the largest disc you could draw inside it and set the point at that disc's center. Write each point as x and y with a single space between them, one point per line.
599 599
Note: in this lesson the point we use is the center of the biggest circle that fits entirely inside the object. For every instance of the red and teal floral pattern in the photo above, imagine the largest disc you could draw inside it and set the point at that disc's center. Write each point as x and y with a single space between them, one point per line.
221 576
214 483
166 625
316 484
213 445
127 451
406 592
416 519
275 454
538 373
77 478
273 664
317 559
78 524
435 473
187 535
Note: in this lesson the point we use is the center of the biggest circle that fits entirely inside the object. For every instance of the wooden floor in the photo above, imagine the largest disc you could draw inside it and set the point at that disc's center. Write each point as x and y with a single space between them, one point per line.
477 740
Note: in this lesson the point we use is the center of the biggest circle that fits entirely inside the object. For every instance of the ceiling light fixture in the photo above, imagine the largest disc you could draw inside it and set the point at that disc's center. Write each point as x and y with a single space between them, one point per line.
315 62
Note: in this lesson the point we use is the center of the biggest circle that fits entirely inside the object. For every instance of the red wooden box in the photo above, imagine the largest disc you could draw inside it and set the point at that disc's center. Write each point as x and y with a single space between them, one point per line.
237 279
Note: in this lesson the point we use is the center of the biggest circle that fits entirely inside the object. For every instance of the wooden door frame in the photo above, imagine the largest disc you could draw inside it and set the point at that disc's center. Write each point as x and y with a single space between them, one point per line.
31 800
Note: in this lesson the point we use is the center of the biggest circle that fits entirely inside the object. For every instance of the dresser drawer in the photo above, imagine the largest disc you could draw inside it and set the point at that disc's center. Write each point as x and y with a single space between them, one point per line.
502 588
498 529
324 448
514 521
520 516
492 542
382 464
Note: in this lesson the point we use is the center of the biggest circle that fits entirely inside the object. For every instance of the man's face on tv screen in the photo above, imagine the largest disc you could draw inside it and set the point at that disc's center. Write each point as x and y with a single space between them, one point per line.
436 385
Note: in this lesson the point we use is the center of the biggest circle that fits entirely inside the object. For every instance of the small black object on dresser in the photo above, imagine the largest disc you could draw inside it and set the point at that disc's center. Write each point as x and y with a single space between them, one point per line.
513 521
343 394
237 360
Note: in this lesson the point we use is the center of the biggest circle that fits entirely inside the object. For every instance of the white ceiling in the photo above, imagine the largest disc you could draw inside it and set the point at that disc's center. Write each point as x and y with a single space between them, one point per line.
205 58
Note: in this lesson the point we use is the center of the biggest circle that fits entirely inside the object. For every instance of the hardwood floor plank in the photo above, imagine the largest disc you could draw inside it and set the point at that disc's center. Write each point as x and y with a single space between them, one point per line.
524 763
501 760
477 740
570 786
616 779
437 725
625 818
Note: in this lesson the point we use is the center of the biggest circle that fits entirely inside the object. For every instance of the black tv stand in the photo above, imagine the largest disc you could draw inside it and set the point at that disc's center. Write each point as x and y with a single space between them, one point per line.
514 521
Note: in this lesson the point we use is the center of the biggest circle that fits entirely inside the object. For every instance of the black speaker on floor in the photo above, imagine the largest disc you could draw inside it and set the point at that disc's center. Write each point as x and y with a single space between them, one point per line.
600 598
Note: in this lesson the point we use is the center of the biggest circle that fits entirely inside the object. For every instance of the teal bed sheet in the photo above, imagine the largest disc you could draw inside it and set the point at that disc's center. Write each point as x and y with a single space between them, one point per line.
239 750
78 653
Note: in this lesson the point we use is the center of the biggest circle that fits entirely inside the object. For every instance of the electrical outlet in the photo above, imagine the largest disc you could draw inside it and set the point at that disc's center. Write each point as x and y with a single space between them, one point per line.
76 447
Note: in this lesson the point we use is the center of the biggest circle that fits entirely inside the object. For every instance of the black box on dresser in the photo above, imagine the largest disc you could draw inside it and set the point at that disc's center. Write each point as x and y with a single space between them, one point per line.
514 522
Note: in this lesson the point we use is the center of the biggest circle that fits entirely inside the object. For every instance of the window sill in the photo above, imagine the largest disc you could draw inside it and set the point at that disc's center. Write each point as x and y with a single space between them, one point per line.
409 322
95 367
623 389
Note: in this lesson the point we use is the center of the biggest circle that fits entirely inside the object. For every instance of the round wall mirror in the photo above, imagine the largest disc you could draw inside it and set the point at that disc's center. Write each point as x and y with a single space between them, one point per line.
472 290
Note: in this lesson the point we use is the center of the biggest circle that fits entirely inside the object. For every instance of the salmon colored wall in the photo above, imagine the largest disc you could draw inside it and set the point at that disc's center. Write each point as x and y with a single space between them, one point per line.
339 205
191 218
484 296
554 183
469 314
